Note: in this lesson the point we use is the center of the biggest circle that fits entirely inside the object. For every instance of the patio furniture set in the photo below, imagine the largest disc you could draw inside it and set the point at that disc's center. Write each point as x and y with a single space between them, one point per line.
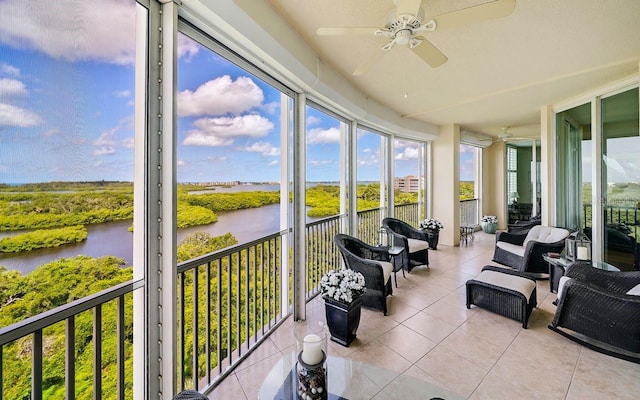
597 306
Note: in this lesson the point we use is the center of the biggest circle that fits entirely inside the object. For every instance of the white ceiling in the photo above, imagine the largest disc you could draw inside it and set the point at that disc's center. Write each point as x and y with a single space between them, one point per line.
499 73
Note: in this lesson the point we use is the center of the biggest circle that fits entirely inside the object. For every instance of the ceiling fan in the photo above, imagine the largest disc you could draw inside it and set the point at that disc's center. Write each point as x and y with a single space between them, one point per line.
507 136
405 27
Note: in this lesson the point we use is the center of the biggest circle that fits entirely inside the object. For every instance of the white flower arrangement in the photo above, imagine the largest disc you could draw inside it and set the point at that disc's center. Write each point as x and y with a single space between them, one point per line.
342 285
489 218
432 224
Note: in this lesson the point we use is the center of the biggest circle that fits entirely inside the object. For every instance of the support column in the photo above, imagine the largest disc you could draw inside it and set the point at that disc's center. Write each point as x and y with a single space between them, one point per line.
494 167
299 210
155 201
547 165
446 183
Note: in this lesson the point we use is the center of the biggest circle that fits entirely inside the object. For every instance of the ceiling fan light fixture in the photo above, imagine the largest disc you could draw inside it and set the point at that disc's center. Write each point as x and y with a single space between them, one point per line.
403 36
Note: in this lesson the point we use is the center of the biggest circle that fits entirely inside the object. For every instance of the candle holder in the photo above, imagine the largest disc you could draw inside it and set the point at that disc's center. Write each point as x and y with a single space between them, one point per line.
312 379
311 365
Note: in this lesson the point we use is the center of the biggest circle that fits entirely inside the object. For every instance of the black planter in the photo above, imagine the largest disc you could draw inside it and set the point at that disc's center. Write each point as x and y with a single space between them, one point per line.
432 238
343 319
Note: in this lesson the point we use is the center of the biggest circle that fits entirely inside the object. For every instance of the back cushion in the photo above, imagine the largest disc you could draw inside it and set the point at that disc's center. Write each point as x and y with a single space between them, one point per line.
545 234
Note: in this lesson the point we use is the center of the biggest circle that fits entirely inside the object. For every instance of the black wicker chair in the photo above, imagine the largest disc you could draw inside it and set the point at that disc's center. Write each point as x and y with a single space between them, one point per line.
595 310
412 240
523 251
372 262
523 226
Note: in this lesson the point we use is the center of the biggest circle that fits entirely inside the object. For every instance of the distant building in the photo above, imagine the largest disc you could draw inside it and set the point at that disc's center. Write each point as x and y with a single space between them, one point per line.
409 183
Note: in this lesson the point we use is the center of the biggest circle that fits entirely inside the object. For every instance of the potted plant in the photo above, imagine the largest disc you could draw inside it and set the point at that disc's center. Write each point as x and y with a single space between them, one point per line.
431 228
489 223
342 292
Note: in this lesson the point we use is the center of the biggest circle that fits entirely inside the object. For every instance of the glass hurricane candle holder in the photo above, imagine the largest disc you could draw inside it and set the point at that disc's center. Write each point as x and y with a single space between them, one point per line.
311 366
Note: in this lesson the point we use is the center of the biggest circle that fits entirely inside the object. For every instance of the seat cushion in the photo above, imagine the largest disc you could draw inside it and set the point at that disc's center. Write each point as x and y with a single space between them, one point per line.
563 281
387 269
511 248
634 290
545 234
508 281
417 245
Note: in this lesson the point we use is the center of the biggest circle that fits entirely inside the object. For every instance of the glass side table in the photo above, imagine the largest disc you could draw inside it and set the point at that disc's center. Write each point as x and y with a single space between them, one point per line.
396 253
349 379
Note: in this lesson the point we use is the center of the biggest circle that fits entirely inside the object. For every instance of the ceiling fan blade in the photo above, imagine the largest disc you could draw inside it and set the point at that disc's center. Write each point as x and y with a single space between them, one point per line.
470 15
408 6
429 53
367 64
346 31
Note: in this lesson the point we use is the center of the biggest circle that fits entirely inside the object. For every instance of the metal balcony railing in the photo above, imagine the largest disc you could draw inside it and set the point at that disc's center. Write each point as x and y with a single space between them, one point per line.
322 254
409 213
627 215
229 301
469 212
104 325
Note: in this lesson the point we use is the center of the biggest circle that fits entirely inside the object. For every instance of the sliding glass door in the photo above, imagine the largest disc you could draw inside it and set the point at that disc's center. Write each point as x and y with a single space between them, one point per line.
620 179
601 197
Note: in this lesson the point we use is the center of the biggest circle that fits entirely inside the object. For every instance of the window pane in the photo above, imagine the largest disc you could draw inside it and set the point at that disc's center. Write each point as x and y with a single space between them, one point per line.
66 134
621 178
324 133
408 180
229 125
66 180
371 173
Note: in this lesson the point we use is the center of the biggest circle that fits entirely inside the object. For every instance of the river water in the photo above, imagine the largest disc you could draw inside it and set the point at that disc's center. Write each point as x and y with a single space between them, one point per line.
113 238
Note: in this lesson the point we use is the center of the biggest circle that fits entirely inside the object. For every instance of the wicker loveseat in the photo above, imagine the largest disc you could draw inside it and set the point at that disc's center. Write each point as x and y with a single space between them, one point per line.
523 251
601 310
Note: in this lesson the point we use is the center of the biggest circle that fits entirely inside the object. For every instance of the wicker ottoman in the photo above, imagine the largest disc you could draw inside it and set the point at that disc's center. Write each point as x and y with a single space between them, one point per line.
505 292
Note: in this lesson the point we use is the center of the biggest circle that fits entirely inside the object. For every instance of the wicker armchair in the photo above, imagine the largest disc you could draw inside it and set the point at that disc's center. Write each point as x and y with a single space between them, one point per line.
523 251
595 310
372 262
412 240
523 226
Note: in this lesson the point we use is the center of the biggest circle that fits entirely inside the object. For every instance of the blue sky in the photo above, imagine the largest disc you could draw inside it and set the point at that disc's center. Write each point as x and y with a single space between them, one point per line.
66 106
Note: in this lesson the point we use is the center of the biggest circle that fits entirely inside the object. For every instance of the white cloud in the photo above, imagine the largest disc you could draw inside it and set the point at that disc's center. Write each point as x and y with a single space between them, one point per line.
369 157
105 139
187 48
317 163
271 108
263 148
272 163
312 120
409 153
72 30
11 88
16 116
199 138
9 70
398 144
465 148
181 163
318 136
51 132
128 143
222 131
220 96
123 93
104 150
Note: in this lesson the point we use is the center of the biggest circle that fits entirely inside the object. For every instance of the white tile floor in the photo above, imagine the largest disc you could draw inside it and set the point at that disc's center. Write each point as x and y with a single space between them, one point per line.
429 334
